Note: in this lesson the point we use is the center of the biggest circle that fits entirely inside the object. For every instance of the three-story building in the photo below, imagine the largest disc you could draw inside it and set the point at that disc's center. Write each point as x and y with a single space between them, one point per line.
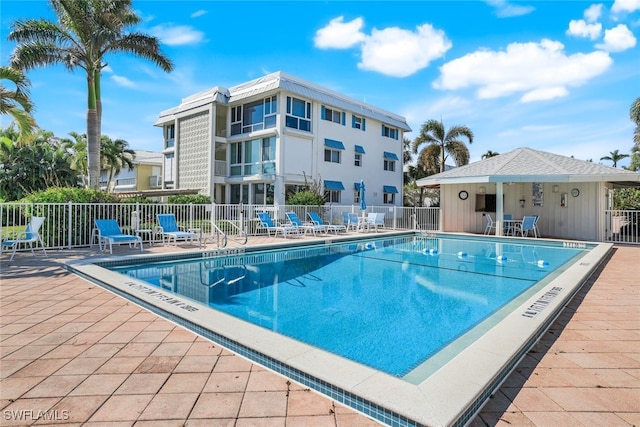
261 140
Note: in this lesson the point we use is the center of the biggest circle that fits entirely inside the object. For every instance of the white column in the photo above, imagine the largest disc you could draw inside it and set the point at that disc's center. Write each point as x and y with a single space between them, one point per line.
499 209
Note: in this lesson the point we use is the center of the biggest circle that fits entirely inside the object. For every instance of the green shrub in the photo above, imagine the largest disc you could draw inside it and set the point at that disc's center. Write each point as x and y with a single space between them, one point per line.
196 199
137 199
67 194
305 197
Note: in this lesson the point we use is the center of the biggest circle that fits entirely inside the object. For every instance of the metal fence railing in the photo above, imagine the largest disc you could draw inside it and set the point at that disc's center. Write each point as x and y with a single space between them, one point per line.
622 226
70 225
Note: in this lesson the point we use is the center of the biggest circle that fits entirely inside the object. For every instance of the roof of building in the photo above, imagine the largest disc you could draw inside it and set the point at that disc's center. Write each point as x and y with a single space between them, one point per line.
148 157
289 83
529 165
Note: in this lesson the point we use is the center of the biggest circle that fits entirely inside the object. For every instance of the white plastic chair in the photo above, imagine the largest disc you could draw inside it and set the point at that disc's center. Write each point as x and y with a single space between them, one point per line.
30 235
490 224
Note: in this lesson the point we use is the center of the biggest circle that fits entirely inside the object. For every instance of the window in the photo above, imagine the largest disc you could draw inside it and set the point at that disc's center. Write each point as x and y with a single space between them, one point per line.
390 161
333 190
389 194
357 159
170 134
254 116
252 157
356 192
332 156
389 132
333 115
298 114
358 122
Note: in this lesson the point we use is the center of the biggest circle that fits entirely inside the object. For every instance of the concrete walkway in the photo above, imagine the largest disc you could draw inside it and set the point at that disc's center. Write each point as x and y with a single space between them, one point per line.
73 353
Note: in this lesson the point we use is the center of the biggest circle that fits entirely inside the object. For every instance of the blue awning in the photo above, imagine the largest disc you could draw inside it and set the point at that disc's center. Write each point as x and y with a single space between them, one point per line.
390 156
333 185
356 186
332 143
359 149
390 189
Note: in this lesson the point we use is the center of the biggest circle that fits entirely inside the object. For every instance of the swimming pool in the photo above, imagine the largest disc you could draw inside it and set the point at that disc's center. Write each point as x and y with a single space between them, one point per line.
389 311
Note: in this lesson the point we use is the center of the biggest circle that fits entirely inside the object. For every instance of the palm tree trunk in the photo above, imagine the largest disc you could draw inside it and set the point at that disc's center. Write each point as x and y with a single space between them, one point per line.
93 136
442 158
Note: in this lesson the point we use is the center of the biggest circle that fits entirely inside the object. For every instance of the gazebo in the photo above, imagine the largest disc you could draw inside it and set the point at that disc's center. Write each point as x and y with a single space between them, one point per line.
570 196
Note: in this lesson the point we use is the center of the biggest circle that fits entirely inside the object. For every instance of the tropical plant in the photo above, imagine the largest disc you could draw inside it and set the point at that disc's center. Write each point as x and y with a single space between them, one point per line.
489 153
16 103
86 31
634 114
615 156
77 149
35 165
441 143
115 154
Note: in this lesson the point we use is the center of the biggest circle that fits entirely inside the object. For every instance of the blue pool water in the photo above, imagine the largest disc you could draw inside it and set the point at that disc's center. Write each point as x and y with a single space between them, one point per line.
389 303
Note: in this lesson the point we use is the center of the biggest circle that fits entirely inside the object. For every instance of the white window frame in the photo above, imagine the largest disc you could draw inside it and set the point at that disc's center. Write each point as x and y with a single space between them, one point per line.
332 153
389 165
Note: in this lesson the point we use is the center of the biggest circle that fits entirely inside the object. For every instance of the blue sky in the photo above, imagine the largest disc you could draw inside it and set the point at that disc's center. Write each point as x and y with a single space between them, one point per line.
557 76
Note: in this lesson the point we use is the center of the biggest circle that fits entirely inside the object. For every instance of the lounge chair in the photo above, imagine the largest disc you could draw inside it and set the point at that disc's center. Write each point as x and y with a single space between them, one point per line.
29 235
109 232
354 221
295 221
316 219
267 224
169 230
375 221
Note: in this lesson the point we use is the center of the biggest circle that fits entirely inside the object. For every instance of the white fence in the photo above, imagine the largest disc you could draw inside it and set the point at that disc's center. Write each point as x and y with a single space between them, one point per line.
623 226
69 225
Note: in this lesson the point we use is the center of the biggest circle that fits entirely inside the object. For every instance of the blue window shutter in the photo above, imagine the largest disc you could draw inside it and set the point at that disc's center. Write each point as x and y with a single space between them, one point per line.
344 117
363 123
323 113
353 121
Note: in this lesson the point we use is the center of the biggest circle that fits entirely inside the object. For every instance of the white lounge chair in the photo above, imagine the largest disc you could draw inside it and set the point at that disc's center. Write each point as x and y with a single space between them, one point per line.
267 223
316 219
29 235
169 230
109 232
295 221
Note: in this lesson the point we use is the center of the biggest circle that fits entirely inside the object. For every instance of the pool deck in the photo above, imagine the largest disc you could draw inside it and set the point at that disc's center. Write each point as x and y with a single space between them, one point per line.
73 353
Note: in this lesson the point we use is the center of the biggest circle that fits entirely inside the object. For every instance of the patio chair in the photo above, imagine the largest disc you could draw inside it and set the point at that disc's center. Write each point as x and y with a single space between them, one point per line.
528 225
267 224
109 232
355 222
295 221
375 220
507 228
169 229
29 235
316 219
347 221
490 224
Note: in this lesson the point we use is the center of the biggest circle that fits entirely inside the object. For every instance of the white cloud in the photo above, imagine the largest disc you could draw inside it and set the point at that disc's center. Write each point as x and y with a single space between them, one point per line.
593 13
177 35
339 34
123 81
198 13
540 71
625 6
617 39
581 28
400 53
504 9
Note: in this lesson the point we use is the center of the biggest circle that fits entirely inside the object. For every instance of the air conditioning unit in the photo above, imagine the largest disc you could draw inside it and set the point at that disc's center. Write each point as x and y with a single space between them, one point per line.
155 181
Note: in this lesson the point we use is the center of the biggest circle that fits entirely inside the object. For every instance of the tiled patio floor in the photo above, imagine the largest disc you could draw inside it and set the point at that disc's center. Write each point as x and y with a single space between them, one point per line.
76 354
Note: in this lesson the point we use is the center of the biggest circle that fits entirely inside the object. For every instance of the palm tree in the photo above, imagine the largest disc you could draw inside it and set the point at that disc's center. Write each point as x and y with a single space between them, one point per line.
489 153
442 143
16 103
77 148
115 155
634 115
86 31
615 157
